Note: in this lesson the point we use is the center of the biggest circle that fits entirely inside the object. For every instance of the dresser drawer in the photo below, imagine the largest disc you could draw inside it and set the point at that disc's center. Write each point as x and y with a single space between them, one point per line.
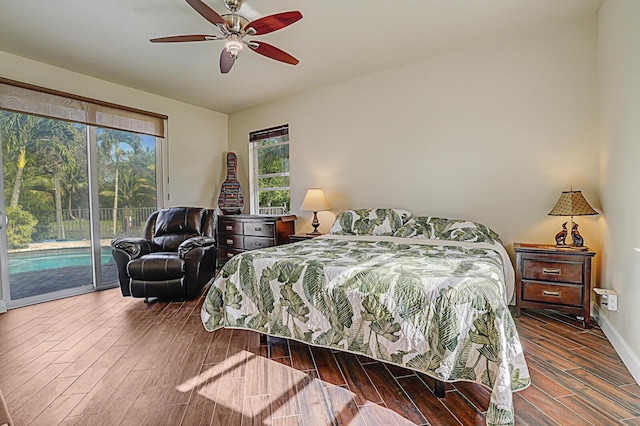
229 227
253 243
569 295
231 241
259 229
225 254
566 272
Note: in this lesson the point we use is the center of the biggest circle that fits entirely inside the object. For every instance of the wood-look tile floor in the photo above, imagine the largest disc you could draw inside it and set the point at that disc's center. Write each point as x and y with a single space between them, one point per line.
101 359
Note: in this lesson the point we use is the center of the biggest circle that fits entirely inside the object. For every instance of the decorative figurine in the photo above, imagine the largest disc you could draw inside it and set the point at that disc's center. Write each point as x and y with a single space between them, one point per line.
231 200
576 238
561 237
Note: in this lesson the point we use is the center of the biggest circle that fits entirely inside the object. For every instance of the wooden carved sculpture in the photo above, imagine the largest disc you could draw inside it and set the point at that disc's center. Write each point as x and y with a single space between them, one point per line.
576 238
561 237
231 200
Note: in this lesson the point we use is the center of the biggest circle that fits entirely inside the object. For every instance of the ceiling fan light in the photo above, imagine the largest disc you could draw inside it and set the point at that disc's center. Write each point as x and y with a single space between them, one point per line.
233 46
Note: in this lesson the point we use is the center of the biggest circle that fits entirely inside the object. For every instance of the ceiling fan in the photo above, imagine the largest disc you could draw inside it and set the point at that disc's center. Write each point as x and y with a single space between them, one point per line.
234 28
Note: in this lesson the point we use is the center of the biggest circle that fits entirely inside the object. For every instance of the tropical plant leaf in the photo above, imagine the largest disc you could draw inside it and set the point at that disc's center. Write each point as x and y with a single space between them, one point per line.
342 307
498 416
230 267
398 356
346 221
266 293
233 298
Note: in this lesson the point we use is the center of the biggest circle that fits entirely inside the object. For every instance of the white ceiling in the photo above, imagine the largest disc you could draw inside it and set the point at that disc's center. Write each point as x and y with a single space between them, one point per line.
335 41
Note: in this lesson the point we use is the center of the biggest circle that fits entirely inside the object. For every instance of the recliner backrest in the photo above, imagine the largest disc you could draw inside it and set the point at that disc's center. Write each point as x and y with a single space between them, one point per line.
168 228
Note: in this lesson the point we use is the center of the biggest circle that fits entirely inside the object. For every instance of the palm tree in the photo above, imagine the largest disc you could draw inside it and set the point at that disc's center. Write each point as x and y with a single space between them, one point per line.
109 142
23 135
134 191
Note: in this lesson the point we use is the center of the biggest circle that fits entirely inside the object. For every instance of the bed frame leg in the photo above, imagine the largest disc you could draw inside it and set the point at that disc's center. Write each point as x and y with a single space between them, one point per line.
263 339
439 391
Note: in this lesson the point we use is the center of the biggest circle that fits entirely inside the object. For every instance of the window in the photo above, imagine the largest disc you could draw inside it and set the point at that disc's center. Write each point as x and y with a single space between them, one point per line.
270 178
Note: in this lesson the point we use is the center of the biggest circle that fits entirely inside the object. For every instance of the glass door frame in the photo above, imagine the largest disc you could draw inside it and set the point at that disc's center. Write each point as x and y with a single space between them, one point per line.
6 302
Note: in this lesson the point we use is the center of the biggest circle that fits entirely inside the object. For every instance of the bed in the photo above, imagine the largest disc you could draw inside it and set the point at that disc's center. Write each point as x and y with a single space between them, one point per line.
426 293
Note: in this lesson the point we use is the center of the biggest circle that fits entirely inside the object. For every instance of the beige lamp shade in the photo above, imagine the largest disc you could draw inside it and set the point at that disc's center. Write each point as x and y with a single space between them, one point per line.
314 201
572 203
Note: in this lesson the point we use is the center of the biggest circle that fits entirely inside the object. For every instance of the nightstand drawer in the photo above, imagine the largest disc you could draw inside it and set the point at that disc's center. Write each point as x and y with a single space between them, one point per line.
569 295
565 272
253 243
259 229
232 241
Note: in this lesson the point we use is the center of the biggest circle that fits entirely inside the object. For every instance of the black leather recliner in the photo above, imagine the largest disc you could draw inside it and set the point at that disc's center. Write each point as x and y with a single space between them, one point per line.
174 260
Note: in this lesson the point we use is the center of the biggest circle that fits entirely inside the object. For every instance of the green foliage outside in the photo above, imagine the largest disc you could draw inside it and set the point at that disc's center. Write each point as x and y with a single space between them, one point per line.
274 160
20 228
46 176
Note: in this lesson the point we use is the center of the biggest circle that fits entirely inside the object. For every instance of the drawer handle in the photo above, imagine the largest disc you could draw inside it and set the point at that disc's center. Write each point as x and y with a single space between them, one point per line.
229 241
551 293
258 244
229 227
552 271
258 228
229 255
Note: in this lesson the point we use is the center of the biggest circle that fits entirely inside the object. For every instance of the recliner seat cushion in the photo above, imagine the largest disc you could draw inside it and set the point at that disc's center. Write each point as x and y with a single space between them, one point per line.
157 266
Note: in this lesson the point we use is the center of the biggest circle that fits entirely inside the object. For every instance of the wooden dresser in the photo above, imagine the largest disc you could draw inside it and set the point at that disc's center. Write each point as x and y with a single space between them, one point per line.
548 277
238 233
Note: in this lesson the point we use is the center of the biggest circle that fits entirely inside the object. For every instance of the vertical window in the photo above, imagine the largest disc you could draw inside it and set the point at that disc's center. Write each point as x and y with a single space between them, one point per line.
270 178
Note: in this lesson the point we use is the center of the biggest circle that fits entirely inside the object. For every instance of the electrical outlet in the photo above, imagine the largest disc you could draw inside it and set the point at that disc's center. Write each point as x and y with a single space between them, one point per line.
612 302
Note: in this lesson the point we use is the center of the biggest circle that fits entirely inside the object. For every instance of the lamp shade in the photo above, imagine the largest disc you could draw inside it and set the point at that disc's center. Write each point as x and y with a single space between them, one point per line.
314 201
572 203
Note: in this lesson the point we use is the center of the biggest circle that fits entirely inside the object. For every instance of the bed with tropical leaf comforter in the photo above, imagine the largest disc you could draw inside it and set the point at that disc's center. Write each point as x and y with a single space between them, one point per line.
437 306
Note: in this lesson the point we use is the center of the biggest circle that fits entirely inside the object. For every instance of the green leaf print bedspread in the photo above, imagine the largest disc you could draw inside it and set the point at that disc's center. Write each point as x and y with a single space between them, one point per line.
439 307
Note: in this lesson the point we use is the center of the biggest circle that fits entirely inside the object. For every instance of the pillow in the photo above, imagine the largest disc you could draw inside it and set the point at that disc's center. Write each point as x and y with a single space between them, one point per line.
439 228
369 221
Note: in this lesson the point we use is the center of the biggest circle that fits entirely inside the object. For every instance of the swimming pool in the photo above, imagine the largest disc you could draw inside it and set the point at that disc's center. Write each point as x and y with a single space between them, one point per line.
43 260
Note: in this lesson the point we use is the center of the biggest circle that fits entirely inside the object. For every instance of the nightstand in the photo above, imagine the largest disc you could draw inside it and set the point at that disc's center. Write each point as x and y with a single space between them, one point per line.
550 277
301 237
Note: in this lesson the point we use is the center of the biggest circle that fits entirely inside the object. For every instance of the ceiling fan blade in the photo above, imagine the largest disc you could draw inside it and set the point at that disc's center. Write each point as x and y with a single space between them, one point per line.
183 38
226 61
271 23
206 12
272 52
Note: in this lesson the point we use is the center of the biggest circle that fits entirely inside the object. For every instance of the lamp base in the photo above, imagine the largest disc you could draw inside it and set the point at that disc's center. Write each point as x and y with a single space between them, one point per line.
315 224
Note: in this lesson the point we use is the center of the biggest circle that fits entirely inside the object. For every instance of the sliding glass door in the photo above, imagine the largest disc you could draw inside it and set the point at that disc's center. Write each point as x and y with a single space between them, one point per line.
69 189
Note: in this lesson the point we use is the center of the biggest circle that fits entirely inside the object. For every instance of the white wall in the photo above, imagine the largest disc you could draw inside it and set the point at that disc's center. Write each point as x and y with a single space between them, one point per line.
492 132
197 137
619 80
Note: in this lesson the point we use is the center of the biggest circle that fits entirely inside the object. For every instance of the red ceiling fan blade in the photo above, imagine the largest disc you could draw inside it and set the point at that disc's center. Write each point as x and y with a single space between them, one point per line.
206 12
226 61
271 23
183 38
272 52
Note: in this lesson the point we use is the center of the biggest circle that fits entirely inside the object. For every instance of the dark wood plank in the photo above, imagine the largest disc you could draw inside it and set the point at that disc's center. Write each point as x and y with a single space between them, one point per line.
394 397
429 405
357 379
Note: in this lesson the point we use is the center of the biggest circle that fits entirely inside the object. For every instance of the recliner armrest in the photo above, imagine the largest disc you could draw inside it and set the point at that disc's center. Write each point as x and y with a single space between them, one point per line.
193 243
134 247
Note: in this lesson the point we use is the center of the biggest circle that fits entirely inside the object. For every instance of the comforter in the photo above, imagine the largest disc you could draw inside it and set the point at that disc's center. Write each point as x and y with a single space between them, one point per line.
439 307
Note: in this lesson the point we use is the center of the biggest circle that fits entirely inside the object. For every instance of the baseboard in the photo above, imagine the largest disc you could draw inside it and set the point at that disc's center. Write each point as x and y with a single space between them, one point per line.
629 358
3 306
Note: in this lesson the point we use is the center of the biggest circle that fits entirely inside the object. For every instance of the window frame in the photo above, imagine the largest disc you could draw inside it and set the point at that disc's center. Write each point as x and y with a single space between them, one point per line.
279 132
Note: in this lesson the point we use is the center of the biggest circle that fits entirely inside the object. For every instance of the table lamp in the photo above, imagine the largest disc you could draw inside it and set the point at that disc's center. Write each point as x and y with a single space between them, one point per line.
571 203
314 201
